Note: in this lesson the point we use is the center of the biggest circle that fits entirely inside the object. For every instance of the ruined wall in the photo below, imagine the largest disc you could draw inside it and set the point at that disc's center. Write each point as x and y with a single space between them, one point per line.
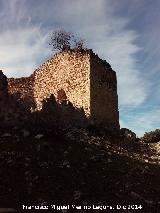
65 75
12 111
103 92
78 76
82 78
22 88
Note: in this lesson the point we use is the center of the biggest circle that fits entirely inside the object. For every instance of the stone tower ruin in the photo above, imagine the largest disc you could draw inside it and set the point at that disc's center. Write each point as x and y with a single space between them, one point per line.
80 77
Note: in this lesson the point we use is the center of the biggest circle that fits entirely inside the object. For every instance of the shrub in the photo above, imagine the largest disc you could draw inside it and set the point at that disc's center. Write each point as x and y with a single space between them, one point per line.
62 40
153 136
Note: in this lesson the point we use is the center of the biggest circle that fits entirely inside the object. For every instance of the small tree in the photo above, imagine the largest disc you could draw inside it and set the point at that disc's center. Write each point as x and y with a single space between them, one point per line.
62 40
152 136
79 44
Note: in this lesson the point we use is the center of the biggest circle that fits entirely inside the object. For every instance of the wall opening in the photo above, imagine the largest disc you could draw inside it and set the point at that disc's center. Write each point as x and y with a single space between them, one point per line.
61 95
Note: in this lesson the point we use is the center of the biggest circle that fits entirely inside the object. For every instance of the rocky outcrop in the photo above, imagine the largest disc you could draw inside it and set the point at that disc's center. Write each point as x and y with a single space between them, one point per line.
3 87
127 133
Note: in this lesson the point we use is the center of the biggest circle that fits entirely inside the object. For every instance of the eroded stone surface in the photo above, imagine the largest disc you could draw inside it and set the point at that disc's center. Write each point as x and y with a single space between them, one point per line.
80 77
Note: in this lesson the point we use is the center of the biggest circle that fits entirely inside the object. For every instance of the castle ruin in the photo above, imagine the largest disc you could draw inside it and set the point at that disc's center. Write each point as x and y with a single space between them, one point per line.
80 77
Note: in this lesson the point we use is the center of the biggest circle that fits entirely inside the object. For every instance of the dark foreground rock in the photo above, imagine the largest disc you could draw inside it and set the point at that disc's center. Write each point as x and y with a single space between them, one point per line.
73 167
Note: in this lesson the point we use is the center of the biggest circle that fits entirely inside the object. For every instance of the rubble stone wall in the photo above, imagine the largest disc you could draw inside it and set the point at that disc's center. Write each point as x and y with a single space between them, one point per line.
67 73
22 88
103 92
80 77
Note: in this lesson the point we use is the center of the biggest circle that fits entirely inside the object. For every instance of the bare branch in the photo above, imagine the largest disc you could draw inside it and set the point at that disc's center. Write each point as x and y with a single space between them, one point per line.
62 40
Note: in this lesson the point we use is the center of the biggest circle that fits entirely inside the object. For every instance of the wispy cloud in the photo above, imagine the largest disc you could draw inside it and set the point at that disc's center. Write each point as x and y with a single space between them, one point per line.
21 51
141 122
110 37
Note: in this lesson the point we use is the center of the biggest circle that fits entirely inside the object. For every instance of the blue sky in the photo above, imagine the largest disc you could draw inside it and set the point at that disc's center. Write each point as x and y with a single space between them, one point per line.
124 32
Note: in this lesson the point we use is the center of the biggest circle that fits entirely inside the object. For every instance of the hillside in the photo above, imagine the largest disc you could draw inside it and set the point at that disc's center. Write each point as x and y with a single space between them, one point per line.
77 166
58 156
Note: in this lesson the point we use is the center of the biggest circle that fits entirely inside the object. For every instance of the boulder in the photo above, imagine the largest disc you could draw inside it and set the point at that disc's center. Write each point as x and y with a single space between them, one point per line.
127 133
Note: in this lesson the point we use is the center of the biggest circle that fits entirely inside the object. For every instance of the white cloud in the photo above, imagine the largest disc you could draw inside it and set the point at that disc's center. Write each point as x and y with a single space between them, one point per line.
20 50
141 122
23 44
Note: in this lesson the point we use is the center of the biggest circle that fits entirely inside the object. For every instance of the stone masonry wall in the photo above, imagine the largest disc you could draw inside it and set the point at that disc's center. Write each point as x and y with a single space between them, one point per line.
103 92
22 88
78 76
12 111
67 74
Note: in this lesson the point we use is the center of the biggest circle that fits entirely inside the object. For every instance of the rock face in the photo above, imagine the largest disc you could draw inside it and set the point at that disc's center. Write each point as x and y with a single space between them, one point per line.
3 86
80 77
10 108
128 133
3 95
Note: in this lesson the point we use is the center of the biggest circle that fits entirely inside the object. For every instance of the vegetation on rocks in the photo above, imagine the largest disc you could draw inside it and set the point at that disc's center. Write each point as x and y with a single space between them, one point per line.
76 166
62 40
153 136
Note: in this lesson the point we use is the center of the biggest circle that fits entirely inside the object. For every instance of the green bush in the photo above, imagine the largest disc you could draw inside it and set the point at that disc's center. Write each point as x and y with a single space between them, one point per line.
153 136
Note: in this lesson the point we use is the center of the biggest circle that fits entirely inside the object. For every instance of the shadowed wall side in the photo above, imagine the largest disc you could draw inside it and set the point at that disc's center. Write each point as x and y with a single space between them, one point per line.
22 88
103 93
